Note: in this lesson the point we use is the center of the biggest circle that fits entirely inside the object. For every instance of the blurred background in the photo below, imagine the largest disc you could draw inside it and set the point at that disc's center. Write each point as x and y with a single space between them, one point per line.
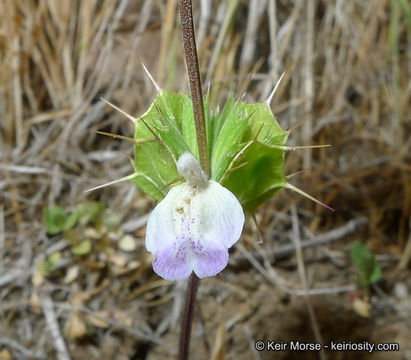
75 278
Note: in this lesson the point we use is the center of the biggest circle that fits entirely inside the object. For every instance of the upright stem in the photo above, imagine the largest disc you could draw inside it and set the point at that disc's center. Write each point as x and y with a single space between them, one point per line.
190 51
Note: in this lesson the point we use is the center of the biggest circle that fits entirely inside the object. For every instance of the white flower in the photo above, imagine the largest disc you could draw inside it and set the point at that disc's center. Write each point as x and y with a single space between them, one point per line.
192 228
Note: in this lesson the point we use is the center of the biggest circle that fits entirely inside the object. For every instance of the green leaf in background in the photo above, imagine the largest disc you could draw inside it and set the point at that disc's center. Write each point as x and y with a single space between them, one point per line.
110 218
89 212
55 257
369 271
55 219
83 248
246 147
48 266
70 222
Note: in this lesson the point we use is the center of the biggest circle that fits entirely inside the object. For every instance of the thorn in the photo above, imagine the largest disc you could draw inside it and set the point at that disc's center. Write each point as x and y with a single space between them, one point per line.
293 148
299 191
259 236
126 178
178 178
158 89
249 116
152 131
241 152
271 96
289 176
158 139
296 126
130 117
130 159
160 115
235 168
258 132
130 139
134 120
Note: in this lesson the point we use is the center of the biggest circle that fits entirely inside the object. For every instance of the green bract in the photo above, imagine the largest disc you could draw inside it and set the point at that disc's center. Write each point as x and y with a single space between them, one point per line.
244 144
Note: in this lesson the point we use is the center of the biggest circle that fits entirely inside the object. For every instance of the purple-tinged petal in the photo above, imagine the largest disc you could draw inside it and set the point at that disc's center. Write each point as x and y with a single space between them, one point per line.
209 257
173 262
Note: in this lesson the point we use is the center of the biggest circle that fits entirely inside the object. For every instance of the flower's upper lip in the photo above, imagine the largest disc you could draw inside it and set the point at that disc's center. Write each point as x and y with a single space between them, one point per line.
190 169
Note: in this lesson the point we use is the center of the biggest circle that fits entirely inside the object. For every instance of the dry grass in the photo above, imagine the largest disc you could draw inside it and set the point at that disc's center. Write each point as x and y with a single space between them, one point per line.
347 71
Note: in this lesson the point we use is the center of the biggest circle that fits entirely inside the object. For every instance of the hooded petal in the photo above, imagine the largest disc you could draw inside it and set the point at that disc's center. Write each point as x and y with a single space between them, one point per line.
222 217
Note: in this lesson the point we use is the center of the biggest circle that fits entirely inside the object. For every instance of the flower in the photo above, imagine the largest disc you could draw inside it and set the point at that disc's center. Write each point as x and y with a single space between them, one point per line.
192 228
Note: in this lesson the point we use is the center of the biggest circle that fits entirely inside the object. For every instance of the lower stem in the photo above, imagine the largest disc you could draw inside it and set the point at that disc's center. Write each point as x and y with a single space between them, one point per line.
187 321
